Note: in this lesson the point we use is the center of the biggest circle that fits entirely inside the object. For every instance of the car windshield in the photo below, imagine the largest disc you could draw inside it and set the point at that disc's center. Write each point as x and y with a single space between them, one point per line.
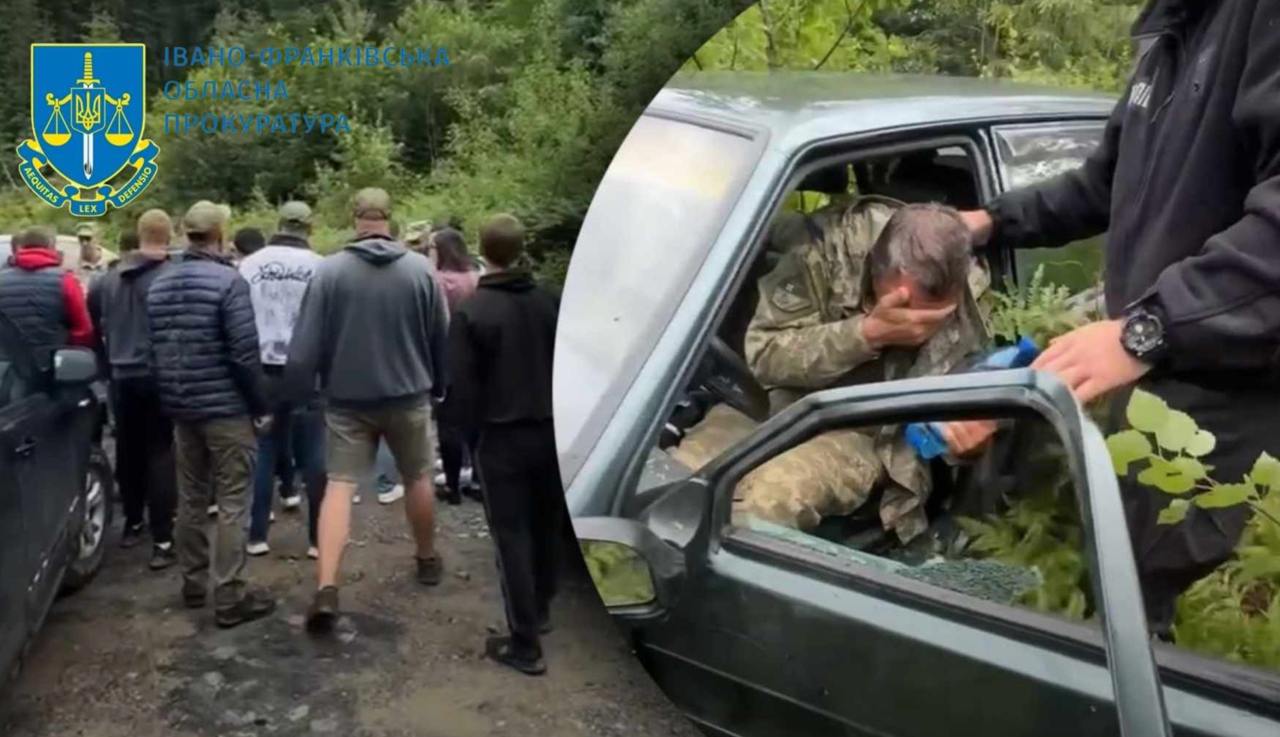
651 223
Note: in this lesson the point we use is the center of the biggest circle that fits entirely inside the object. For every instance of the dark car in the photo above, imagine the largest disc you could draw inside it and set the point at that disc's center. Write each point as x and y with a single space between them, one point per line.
56 487
755 629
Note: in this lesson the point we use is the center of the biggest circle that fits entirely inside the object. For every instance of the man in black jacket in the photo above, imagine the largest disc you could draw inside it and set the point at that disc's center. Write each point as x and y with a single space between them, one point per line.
1187 182
501 342
204 348
144 436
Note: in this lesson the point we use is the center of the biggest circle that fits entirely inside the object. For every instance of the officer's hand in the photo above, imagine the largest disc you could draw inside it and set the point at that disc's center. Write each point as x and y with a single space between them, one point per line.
968 438
1091 360
892 323
979 223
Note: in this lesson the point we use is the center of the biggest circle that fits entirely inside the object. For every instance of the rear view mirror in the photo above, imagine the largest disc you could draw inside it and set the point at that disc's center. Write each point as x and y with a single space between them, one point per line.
74 366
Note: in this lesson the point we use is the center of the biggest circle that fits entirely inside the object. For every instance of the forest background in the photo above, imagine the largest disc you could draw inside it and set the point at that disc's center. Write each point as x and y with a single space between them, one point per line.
536 97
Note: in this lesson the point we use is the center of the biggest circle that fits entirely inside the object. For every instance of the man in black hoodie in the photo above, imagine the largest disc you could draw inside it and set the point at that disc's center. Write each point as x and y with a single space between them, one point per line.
144 436
501 342
372 327
1187 184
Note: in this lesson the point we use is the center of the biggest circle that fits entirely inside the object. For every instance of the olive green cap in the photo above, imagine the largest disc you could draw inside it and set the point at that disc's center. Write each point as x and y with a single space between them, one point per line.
204 216
372 203
295 212
85 230
417 230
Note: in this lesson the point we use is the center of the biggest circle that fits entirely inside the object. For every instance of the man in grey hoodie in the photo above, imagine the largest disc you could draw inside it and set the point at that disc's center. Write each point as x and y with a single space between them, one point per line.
373 328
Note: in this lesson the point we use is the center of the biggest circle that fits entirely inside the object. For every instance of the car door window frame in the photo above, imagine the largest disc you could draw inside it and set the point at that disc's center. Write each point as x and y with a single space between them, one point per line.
804 161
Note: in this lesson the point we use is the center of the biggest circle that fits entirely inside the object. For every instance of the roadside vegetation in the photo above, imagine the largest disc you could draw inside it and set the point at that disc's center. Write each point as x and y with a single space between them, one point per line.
537 96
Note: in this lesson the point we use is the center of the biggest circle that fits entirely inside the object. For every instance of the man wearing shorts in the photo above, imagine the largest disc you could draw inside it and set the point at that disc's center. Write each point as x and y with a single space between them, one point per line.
372 327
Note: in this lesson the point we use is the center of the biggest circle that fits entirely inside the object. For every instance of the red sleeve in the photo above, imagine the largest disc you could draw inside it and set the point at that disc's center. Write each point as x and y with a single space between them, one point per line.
79 327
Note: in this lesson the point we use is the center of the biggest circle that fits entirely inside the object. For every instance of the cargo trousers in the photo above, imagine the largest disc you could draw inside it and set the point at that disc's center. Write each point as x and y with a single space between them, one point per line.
215 460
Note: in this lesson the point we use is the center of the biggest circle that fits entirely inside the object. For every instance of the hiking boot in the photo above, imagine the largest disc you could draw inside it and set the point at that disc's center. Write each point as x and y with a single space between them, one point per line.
132 535
504 651
430 570
162 556
324 610
193 597
250 607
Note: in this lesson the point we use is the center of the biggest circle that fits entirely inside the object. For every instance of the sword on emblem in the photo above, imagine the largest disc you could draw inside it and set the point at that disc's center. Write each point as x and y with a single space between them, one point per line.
88 112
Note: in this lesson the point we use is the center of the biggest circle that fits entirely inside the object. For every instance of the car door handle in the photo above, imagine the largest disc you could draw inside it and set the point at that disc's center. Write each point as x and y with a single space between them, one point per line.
26 448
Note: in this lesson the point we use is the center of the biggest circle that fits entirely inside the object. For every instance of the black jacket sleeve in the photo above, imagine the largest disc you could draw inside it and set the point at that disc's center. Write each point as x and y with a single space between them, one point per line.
1222 306
1067 208
466 363
243 351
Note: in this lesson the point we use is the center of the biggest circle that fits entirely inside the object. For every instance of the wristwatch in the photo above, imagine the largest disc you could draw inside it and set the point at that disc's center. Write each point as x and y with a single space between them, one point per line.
1143 336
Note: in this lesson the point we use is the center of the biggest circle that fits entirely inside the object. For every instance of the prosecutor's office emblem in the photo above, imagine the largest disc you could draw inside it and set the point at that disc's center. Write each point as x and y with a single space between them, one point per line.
88 110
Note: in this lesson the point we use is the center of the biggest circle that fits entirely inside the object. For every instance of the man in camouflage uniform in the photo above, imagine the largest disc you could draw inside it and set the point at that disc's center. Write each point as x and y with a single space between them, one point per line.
837 311
92 262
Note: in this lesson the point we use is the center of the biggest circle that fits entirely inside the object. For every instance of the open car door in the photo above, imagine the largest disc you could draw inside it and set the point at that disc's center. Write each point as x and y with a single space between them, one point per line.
754 635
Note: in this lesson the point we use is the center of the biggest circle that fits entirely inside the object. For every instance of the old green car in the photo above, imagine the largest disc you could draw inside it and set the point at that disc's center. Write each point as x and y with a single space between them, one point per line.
755 630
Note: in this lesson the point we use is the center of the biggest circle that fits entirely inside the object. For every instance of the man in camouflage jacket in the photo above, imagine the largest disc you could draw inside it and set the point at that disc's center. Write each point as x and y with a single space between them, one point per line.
825 320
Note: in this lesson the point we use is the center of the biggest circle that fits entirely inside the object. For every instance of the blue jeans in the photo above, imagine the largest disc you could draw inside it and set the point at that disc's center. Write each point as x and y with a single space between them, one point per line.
384 476
298 433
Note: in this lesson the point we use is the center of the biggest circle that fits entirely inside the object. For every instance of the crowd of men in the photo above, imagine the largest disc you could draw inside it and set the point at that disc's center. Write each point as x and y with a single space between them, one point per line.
237 359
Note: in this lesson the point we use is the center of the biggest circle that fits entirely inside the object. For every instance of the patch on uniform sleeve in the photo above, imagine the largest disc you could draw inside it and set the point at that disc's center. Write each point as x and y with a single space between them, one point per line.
790 294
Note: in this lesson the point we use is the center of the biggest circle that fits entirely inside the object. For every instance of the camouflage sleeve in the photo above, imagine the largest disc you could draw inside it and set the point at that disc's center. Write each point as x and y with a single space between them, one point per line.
789 344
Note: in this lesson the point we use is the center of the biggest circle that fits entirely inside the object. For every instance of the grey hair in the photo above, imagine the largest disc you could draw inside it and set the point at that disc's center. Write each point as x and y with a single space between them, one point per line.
928 243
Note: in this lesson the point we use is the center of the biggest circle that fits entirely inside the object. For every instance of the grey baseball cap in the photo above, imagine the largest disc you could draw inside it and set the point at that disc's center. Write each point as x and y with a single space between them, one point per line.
295 212
372 203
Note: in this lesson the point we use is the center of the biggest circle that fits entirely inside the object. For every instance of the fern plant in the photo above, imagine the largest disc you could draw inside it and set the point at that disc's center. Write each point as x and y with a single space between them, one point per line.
1040 311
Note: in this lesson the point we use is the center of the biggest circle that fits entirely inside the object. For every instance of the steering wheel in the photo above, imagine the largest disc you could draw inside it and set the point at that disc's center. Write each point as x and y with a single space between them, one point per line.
728 378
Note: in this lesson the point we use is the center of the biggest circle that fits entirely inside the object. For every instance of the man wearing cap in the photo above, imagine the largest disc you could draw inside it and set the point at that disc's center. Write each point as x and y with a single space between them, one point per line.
415 235
92 263
278 275
144 435
41 299
373 328
205 357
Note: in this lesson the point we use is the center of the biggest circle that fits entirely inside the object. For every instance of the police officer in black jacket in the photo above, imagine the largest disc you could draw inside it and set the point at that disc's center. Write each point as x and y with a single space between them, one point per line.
501 342
1187 184
205 357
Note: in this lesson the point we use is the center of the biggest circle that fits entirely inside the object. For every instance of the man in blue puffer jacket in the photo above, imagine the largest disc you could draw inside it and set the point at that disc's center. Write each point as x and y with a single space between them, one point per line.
204 348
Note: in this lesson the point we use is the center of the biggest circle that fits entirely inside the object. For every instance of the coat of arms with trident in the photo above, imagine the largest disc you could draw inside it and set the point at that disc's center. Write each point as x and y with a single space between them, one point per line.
107 125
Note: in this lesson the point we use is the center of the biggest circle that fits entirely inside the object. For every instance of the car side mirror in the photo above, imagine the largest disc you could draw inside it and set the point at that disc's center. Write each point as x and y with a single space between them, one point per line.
74 366
639 566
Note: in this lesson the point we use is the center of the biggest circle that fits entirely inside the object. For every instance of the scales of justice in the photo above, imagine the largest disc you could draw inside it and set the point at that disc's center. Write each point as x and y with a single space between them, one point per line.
86 100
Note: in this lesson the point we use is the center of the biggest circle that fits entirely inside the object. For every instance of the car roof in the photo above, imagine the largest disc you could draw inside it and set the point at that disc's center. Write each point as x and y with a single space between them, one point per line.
798 107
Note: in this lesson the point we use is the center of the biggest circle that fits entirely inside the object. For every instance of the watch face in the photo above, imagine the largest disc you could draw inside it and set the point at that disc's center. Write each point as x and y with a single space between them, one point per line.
1142 334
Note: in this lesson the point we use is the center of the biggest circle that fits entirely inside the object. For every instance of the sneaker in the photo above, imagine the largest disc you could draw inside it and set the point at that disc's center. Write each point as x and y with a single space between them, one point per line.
439 464
213 510
252 606
257 548
450 496
292 502
465 476
473 492
132 535
271 516
313 553
193 597
502 650
392 495
430 570
355 499
440 479
324 610
162 556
